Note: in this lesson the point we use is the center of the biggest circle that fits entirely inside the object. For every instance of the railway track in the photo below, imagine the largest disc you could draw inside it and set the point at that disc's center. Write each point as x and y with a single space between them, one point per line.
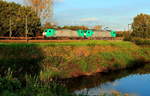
42 40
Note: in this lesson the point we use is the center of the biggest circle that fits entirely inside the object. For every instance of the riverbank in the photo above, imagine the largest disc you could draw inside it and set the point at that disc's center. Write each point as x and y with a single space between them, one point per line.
99 79
69 59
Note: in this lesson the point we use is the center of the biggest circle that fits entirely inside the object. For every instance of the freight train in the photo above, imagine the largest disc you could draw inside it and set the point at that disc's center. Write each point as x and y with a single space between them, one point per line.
79 34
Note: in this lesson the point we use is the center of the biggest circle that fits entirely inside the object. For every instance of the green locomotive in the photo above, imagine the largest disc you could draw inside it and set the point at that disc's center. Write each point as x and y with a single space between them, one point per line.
63 33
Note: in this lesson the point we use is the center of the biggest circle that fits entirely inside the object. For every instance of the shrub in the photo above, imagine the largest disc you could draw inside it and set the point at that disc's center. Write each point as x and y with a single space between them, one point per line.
30 87
140 41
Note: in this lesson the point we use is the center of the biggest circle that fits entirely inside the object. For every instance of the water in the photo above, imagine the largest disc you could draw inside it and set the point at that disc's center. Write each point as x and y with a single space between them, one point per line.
138 85
135 81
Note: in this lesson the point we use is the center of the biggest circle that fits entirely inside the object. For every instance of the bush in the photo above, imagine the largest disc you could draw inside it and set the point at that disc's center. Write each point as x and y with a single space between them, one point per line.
140 41
30 87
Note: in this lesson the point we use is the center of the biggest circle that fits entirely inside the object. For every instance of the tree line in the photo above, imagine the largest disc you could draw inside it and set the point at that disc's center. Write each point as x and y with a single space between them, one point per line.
15 18
141 26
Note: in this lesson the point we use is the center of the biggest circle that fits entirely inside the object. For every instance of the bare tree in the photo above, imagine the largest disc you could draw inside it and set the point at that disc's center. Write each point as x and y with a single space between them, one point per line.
44 9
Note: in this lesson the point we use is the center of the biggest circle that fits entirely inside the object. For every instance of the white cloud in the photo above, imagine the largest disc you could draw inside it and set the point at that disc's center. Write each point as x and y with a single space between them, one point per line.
89 19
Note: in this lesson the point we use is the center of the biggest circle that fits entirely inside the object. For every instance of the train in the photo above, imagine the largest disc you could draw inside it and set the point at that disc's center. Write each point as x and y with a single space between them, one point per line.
78 34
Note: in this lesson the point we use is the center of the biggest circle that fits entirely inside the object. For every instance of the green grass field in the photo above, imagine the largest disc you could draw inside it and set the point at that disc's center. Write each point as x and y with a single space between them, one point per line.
48 61
73 43
70 59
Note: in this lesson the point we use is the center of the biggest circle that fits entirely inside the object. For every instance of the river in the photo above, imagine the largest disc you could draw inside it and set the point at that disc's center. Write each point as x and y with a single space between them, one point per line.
135 81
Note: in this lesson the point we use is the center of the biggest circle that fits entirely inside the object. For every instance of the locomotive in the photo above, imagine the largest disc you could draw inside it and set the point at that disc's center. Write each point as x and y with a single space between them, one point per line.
79 34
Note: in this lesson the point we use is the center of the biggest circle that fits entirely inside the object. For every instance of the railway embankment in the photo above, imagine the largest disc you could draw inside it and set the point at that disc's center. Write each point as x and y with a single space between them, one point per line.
70 59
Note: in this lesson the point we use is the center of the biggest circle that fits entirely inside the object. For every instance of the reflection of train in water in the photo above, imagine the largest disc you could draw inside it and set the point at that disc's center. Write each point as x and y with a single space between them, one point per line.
79 34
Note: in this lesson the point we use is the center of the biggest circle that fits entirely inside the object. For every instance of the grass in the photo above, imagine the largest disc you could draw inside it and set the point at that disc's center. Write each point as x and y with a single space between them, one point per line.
10 86
72 43
70 58
49 61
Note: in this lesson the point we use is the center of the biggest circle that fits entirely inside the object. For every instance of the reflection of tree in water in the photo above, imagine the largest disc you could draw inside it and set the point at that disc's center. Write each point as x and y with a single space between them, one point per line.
101 78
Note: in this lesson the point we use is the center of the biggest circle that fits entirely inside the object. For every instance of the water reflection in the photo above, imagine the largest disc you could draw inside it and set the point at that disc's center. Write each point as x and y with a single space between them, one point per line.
134 81
134 84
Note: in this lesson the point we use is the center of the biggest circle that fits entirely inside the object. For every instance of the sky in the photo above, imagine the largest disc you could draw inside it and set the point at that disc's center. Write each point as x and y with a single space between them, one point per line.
115 14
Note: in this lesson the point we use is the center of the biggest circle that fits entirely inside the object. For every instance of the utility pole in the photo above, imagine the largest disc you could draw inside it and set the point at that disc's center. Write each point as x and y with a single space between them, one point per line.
10 29
129 27
26 28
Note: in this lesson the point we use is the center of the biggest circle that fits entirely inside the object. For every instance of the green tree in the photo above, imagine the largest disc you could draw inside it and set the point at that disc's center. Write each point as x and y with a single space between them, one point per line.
141 26
17 14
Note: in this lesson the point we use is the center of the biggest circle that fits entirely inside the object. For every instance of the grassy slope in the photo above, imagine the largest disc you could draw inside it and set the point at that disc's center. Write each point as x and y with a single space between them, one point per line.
73 43
70 59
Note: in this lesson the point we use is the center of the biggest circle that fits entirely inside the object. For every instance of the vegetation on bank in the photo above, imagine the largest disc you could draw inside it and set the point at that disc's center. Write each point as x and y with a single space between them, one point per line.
69 59
10 86
50 61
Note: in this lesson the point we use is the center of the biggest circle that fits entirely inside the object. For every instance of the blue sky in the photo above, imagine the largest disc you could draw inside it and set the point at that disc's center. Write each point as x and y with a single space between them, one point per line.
116 14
